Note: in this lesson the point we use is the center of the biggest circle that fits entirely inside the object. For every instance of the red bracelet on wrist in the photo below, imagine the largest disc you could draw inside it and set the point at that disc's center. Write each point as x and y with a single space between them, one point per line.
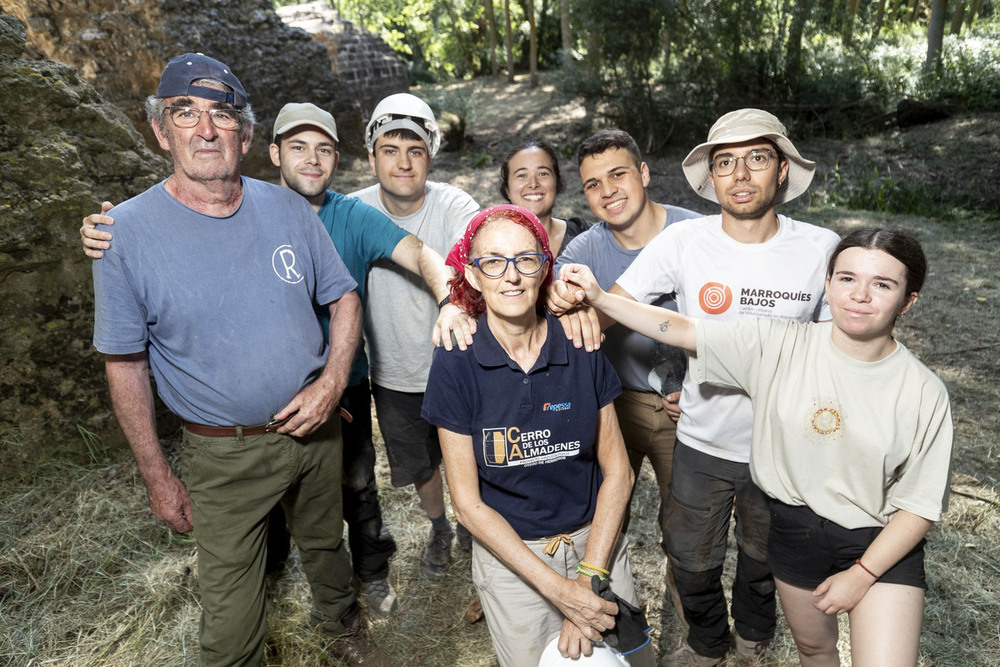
857 561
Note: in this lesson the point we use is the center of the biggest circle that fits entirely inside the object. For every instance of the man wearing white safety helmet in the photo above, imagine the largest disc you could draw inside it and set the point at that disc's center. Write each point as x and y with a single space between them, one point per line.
402 137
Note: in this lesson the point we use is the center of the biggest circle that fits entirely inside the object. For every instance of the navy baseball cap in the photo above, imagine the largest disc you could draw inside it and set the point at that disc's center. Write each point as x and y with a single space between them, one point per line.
182 70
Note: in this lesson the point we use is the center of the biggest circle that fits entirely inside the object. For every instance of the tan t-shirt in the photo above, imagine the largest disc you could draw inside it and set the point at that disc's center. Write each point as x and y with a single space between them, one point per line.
853 440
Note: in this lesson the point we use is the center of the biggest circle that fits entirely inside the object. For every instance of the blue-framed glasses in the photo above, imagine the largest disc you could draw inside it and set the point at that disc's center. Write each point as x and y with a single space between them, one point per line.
494 266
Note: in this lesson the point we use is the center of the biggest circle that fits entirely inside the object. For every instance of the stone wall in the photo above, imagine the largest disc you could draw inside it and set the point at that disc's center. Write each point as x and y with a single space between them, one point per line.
367 65
63 150
121 47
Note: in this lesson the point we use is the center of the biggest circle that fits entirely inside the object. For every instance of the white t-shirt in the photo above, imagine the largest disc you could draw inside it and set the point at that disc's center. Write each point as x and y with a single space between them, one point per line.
853 440
400 310
717 277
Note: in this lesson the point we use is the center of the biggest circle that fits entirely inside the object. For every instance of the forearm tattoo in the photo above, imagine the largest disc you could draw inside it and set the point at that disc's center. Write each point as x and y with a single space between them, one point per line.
664 325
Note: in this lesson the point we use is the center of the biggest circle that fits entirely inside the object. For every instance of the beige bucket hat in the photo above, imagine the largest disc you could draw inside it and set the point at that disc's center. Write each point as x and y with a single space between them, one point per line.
744 125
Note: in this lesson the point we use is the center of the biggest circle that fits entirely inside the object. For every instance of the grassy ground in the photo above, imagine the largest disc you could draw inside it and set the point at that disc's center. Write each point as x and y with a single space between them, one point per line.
88 577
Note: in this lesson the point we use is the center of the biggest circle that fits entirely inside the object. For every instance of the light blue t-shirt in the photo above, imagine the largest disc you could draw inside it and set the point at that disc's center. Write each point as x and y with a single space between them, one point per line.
362 235
642 363
226 307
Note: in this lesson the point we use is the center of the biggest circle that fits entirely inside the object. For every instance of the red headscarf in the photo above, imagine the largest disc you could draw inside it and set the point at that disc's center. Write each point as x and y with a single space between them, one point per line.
463 294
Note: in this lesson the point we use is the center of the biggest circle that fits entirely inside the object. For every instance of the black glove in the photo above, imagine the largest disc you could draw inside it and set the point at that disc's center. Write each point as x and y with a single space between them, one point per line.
631 631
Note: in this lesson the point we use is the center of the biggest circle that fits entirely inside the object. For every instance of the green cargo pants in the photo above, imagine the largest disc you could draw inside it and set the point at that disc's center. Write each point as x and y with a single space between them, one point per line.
233 483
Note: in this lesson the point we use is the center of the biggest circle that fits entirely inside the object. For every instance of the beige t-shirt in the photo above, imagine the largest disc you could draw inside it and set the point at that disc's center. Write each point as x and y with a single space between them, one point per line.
855 441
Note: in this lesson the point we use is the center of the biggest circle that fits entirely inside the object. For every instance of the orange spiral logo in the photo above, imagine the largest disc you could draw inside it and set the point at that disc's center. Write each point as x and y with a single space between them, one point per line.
715 298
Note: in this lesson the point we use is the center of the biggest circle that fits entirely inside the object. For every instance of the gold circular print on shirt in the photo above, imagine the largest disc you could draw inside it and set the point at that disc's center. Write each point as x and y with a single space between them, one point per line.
824 422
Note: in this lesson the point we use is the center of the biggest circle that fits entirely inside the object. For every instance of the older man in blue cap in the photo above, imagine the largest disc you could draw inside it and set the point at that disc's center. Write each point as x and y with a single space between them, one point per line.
205 289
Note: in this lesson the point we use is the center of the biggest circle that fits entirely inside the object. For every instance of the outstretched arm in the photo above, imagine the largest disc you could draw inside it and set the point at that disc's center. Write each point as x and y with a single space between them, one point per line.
414 255
132 397
659 324
96 242
612 497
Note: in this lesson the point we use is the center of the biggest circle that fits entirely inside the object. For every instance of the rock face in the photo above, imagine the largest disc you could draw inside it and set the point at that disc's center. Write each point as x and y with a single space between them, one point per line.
121 47
63 150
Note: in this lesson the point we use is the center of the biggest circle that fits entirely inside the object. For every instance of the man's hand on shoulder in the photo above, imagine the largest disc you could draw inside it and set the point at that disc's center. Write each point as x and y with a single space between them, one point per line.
561 297
453 326
96 242
582 326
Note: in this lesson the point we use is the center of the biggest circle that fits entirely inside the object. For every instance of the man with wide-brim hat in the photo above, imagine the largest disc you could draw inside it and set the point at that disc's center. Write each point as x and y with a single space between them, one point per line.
748 125
748 261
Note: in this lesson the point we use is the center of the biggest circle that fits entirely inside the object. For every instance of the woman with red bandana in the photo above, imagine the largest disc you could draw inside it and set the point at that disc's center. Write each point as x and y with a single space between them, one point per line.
534 458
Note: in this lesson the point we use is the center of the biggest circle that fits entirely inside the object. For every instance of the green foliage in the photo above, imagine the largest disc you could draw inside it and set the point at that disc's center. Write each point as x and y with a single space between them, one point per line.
875 191
969 70
624 37
813 63
437 39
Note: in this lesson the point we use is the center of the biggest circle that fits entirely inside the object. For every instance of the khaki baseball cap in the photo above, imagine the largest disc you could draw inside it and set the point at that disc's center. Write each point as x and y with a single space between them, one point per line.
744 125
296 114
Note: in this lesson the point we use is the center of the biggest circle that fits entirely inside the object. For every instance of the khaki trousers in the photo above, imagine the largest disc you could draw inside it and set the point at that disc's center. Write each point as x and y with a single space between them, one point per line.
520 619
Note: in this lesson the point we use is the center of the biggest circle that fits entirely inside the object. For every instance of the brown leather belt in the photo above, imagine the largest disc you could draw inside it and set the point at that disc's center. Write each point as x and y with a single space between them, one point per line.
248 431
230 431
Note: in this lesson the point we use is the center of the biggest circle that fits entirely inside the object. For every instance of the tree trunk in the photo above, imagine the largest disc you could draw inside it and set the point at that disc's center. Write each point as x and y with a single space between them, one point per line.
957 16
532 45
460 36
879 19
793 52
849 18
935 34
567 41
897 9
973 11
491 27
510 43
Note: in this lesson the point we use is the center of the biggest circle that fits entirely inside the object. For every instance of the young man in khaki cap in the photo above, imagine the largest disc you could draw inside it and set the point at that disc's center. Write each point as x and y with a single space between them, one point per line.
746 262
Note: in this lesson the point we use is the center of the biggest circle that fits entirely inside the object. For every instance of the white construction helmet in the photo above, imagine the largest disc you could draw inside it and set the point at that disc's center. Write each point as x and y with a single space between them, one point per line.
601 656
404 111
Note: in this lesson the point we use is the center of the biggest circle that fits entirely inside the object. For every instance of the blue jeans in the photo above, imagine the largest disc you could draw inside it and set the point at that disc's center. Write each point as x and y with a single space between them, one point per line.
704 492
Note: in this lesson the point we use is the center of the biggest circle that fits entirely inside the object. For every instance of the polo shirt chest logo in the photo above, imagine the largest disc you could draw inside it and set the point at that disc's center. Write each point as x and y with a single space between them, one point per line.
505 447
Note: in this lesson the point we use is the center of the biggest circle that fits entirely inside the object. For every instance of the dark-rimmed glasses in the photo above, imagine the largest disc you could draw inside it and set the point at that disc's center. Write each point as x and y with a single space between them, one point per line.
758 159
494 266
224 119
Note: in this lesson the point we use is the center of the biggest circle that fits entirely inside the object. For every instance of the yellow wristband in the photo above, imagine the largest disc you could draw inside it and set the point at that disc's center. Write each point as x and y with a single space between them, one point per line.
595 568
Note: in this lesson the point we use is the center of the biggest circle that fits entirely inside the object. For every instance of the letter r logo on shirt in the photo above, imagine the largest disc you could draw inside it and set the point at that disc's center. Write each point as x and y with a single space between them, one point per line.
283 263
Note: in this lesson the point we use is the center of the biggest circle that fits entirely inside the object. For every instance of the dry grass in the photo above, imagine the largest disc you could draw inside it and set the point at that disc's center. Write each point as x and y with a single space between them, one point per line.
88 577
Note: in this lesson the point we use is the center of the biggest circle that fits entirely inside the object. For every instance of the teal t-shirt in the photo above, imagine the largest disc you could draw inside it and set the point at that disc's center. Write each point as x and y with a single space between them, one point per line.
362 235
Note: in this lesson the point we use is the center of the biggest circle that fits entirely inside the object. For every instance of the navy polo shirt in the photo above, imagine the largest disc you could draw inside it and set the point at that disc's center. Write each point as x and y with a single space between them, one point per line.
533 433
